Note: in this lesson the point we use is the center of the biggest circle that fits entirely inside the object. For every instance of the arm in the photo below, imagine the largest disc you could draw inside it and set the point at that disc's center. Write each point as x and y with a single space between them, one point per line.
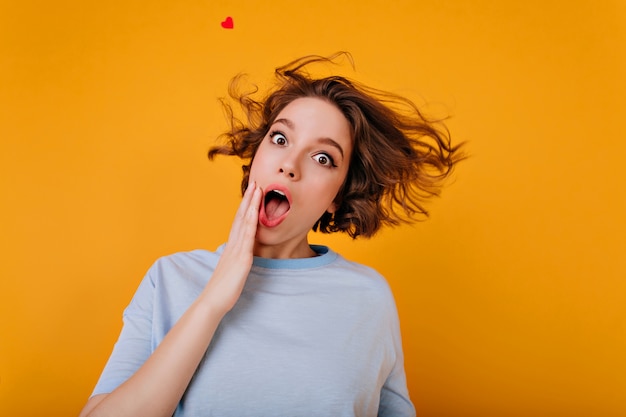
394 396
157 387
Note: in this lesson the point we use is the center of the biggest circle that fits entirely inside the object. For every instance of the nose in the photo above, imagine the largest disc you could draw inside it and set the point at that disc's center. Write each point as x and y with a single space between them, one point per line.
288 173
290 169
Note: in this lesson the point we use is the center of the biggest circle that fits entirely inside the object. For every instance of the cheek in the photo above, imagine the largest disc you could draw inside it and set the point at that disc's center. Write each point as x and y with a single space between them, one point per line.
265 155
329 190
258 164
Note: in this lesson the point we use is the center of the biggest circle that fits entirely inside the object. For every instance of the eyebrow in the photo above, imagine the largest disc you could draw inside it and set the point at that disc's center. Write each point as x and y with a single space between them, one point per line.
327 141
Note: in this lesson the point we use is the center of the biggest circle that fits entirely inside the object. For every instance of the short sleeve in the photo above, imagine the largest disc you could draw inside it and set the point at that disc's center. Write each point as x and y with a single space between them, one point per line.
134 344
394 396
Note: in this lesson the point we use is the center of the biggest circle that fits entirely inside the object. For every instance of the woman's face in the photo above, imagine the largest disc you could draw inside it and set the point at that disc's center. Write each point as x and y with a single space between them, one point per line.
301 164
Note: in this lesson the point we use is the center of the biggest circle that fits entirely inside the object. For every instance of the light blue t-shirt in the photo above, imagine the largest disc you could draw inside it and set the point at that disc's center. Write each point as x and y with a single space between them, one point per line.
308 337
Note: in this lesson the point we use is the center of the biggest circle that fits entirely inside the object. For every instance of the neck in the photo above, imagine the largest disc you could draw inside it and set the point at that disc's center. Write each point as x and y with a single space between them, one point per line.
284 251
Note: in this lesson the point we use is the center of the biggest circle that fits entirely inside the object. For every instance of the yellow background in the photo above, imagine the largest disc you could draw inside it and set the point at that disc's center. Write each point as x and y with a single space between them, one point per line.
512 296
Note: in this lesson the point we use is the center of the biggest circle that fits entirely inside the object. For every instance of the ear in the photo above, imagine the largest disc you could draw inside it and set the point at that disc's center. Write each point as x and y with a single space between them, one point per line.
332 208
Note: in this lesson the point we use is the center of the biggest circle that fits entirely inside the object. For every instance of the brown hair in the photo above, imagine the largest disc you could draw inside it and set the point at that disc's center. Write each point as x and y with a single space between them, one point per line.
399 158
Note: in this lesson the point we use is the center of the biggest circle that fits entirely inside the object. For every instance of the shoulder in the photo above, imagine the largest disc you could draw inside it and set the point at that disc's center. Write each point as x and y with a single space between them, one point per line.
366 278
173 281
194 267
364 272
199 258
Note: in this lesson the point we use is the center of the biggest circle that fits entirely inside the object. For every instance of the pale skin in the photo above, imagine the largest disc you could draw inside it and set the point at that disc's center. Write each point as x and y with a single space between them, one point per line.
294 156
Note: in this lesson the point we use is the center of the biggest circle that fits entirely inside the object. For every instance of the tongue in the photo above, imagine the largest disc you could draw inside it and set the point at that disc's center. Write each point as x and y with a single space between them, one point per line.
276 207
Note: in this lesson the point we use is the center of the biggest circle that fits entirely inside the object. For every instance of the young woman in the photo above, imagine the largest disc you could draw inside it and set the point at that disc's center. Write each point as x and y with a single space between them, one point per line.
268 324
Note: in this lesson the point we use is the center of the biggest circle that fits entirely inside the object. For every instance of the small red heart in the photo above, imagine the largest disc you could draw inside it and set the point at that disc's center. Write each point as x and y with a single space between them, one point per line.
228 23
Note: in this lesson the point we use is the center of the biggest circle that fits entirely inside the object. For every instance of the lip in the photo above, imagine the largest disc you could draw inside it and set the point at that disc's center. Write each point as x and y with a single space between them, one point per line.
263 216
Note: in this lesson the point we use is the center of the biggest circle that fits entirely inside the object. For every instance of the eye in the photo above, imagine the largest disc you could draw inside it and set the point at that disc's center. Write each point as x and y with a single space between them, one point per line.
278 138
324 159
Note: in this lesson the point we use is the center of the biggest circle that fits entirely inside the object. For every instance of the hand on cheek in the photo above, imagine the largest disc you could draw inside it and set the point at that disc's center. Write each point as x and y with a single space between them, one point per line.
229 277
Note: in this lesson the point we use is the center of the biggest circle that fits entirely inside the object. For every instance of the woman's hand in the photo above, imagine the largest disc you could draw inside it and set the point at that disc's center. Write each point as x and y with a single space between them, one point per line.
229 277
157 387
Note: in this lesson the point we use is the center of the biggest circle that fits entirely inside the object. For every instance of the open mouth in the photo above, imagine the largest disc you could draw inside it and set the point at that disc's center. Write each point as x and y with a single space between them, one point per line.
276 205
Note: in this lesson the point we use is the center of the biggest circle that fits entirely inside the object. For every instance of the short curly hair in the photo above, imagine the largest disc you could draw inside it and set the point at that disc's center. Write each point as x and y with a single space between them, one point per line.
399 159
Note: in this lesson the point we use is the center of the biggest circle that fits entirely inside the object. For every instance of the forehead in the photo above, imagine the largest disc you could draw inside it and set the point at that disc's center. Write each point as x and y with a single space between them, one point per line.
316 116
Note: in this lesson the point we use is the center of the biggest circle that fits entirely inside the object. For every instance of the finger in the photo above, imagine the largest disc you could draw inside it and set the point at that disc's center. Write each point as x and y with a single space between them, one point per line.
245 201
240 215
247 230
252 216
255 205
245 222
